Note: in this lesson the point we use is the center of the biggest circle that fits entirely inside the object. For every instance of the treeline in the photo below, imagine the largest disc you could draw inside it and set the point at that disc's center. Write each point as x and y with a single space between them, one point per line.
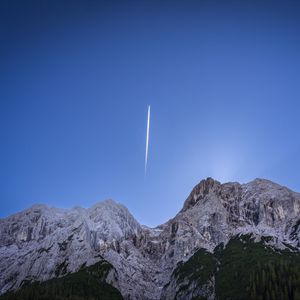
242 270
86 284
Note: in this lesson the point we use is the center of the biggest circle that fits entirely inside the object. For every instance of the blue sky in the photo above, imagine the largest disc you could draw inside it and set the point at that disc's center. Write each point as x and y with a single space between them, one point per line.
222 79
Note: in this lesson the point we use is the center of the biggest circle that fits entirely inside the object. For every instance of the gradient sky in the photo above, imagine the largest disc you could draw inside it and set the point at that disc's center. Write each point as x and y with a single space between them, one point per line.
222 79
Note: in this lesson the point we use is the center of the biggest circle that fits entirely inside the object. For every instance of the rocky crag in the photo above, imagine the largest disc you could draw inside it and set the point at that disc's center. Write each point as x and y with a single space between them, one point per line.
43 243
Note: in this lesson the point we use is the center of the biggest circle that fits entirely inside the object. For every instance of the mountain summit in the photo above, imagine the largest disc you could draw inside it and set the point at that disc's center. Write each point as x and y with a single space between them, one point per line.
42 243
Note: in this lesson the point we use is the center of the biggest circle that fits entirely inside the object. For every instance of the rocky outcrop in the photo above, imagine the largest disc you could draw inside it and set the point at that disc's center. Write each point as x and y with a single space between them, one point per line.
41 242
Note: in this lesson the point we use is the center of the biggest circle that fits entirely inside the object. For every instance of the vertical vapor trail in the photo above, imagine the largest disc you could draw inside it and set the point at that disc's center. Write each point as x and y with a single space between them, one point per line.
147 139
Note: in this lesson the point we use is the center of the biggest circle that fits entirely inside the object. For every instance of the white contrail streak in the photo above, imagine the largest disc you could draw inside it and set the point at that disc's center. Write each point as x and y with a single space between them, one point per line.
147 139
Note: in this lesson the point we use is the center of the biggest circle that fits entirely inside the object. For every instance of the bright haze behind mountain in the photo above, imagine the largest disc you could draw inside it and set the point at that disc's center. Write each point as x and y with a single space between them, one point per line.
76 77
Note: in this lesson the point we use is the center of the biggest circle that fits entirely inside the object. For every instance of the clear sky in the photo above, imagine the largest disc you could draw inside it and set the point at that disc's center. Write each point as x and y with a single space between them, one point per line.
222 79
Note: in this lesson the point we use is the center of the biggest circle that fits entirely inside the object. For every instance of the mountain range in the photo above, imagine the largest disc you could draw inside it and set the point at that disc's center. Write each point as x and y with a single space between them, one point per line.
229 241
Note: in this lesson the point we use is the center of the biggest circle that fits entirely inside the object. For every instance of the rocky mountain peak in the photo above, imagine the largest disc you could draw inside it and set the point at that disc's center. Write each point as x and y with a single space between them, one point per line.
203 188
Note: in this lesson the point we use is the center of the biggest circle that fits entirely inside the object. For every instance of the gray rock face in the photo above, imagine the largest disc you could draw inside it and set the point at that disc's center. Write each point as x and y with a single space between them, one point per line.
42 242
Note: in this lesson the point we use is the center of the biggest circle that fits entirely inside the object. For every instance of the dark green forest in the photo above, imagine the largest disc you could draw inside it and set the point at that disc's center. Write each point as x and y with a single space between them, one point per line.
245 269
86 284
